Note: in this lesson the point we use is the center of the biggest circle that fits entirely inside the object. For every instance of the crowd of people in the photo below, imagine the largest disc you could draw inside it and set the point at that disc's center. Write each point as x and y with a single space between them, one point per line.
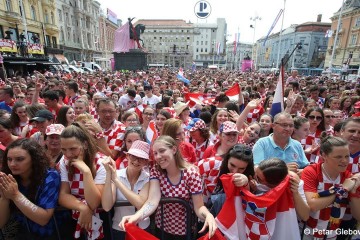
81 142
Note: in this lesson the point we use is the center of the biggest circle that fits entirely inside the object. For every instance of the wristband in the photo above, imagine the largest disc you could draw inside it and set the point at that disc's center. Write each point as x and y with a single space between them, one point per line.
99 135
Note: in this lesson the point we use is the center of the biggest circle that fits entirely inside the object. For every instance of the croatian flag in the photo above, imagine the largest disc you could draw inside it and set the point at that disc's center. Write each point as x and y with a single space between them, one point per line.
268 216
233 92
181 77
218 46
140 109
151 132
278 102
198 98
133 232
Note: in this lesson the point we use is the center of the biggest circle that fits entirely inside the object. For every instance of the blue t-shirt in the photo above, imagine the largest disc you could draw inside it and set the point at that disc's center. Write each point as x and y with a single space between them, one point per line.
4 106
266 148
47 198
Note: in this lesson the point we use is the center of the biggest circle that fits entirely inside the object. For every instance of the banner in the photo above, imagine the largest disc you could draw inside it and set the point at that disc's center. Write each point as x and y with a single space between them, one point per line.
273 25
7 45
35 48
111 16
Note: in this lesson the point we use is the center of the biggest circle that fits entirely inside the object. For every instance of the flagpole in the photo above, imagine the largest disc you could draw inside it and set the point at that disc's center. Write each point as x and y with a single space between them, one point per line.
282 24
336 37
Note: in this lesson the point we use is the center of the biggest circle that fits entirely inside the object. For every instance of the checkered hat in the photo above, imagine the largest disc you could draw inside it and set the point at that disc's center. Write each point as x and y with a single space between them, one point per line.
140 149
195 124
54 129
228 126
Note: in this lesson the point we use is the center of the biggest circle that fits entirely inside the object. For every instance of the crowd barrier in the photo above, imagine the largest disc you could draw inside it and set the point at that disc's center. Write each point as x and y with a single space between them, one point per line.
191 220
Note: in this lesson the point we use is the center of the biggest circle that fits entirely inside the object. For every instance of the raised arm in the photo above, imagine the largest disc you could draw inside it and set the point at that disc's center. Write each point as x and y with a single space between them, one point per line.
242 118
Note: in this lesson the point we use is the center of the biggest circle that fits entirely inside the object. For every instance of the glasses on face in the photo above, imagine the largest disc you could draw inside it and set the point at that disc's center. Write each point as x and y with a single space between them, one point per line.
285 125
329 116
148 114
318 118
135 158
242 149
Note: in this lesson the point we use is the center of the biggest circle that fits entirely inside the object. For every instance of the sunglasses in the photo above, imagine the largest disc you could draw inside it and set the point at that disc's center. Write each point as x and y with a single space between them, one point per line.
330 116
239 148
137 128
318 118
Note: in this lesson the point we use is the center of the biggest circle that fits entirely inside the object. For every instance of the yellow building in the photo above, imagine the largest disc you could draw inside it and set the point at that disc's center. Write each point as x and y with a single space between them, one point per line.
28 31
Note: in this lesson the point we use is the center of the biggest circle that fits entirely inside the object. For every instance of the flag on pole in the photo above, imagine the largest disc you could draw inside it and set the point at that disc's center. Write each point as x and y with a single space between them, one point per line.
218 46
329 33
181 77
151 132
273 25
237 38
278 102
248 216
193 67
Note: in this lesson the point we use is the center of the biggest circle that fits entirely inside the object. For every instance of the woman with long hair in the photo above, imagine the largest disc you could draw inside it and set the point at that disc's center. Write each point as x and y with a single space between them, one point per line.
130 119
66 116
345 106
6 133
148 115
266 121
131 135
317 126
82 179
173 128
19 118
29 190
156 126
130 183
219 117
172 172
328 187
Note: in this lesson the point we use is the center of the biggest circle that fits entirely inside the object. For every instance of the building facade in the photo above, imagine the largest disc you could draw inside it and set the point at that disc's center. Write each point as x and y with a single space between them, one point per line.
348 42
79 29
234 58
29 33
311 35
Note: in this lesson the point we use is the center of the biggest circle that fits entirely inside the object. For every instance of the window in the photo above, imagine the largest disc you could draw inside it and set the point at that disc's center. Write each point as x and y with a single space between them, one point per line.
8 5
48 43
60 15
46 17
353 39
52 18
1 32
33 12
357 22
61 35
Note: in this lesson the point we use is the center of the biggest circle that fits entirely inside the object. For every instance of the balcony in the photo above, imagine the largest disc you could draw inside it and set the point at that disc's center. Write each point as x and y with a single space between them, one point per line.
51 28
48 3
12 16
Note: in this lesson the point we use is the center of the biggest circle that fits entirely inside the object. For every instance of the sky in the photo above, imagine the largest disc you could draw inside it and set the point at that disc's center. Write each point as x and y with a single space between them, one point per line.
237 13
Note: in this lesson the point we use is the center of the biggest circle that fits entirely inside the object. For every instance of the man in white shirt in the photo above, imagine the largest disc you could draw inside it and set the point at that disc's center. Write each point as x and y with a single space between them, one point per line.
150 99
129 100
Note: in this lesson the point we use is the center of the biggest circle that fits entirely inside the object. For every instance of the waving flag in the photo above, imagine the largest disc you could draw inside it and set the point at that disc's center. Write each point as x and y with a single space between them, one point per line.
139 110
233 92
278 102
218 47
237 38
273 25
181 77
151 132
198 98
268 216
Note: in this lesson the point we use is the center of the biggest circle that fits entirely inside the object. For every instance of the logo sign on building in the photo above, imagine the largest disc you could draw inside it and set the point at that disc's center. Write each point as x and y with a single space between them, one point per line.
7 45
35 48
202 9
111 16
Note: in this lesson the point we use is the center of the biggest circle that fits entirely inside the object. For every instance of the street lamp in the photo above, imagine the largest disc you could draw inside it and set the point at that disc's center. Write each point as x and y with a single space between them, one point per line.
254 27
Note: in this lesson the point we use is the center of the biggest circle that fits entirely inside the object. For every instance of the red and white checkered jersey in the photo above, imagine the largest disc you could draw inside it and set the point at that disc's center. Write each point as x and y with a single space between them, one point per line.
174 213
254 114
76 183
354 164
307 143
94 114
241 141
121 162
72 100
200 148
316 181
115 135
209 170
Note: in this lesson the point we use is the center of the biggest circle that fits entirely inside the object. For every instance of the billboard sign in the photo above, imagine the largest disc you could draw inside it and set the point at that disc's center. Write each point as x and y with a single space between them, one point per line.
35 48
8 45
111 16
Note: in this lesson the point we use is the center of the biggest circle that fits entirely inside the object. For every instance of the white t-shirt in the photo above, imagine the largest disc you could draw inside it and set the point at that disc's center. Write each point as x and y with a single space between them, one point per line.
126 103
120 212
151 101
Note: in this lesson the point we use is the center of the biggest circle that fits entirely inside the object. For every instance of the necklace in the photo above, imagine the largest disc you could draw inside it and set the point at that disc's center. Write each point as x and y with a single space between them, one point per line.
327 175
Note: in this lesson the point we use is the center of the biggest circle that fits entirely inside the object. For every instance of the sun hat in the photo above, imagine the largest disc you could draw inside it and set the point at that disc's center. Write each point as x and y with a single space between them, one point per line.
195 124
227 127
180 107
42 116
54 129
140 149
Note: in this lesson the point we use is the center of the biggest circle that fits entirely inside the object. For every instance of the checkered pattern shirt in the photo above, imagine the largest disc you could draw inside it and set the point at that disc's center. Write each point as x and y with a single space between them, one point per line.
121 162
114 136
254 114
250 145
200 148
354 164
320 102
307 142
72 100
175 214
94 114
209 170
316 181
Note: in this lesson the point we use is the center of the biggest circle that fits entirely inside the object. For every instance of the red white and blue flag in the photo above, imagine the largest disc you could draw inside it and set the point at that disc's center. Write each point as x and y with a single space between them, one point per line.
248 216
278 102
233 92
218 47
151 132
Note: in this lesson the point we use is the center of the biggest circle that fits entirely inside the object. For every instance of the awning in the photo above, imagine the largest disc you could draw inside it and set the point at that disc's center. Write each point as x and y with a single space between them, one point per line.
22 63
48 63
60 59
